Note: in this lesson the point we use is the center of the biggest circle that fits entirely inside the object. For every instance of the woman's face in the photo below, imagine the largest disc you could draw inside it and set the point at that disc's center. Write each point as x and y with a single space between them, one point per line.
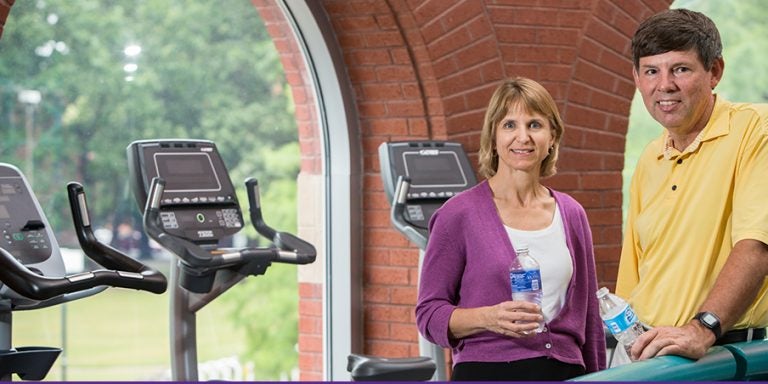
523 140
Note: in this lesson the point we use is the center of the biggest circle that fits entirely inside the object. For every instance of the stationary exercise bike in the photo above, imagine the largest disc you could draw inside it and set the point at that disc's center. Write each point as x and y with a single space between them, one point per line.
32 273
418 177
189 205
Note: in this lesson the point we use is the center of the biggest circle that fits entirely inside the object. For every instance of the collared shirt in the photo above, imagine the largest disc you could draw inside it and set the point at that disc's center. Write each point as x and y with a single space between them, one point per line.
687 210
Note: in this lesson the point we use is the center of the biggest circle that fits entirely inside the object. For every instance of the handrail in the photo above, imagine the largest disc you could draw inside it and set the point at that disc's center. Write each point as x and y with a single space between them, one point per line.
731 362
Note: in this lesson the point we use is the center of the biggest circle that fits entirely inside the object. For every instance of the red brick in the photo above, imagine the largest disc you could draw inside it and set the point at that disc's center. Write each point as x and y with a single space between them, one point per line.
404 332
601 181
310 290
386 275
405 296
310 308
605 216
310 325
388 349
607 253
309 343
310 361
377 330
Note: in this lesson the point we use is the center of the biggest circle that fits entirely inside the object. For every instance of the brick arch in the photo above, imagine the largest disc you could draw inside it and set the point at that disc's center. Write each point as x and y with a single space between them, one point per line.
425 69
458 51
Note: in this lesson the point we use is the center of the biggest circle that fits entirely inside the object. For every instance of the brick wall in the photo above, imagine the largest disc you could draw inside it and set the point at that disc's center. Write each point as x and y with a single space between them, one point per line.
425 70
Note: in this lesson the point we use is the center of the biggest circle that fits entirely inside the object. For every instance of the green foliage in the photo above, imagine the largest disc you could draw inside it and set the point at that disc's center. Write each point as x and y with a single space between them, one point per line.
745 50
206 70
266 310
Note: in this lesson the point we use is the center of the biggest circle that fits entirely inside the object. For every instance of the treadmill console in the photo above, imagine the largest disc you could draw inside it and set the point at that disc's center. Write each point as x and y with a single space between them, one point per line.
437 170
199 202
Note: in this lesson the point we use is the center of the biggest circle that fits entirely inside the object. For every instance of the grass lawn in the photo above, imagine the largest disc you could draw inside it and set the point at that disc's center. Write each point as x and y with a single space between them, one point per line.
120 335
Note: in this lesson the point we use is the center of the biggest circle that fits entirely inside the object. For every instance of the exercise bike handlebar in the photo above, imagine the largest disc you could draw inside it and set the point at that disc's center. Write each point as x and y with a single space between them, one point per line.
397 213
151 279
293 249
190 253
122 271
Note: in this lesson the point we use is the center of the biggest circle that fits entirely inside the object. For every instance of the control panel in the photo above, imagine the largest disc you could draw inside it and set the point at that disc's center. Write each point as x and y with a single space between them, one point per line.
199 202
437 170
24 231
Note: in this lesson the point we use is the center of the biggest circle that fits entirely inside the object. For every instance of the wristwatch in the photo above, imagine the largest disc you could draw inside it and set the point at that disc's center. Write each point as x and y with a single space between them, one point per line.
710 321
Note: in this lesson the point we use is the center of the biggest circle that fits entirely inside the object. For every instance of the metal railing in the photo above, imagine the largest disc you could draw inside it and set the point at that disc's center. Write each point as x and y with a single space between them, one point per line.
746 361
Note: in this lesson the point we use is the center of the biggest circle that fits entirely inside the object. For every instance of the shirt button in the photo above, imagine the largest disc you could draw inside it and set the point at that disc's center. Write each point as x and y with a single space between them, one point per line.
674 187
679 161
547 345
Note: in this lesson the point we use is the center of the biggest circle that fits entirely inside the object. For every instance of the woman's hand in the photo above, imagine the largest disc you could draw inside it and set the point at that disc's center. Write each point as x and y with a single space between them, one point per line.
514 318
509 318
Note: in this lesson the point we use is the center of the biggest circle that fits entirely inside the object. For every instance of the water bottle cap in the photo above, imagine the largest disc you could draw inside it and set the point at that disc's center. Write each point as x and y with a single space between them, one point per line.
602 292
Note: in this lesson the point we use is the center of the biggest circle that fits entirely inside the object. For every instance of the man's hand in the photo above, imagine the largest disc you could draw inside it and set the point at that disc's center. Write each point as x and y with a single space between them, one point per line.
691 340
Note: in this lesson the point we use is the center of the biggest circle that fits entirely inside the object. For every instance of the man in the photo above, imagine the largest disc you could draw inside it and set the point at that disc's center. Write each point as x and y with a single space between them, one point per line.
695 254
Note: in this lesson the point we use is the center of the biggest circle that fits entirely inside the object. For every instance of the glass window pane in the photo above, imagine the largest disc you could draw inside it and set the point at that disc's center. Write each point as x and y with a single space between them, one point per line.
79 81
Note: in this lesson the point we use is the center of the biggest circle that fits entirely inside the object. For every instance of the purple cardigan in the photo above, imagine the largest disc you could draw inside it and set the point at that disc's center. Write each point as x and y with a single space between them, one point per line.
466 264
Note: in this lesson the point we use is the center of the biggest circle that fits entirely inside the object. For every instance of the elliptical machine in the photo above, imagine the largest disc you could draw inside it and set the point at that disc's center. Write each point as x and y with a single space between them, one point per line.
32 273
189 204
418 177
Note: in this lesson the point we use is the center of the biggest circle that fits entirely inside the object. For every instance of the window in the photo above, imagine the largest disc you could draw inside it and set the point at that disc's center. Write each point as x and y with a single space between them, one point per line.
81 80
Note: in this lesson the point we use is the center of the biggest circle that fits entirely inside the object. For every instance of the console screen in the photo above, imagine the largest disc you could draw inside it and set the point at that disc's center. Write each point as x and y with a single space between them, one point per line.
440 170
187 172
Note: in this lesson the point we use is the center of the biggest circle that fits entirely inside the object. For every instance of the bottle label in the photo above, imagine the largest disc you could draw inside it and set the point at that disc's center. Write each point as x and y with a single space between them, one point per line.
621 322
525 281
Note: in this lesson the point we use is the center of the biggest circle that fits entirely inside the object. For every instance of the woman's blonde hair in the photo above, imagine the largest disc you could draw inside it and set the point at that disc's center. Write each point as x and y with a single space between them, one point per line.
533 98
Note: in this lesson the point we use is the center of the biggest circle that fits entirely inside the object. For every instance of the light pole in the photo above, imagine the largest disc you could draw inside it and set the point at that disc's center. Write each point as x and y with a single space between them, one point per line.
30 98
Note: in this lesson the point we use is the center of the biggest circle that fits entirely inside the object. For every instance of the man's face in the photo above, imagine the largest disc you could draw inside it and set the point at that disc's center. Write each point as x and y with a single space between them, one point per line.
677 89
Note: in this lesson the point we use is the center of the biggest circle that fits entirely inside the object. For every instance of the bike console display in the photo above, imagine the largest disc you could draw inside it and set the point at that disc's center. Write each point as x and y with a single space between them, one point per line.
418 177
199 201
26 234
189 204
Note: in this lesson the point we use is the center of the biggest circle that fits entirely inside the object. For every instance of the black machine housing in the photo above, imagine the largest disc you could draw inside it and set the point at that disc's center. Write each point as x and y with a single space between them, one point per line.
199 201
418 177
189 205
33 273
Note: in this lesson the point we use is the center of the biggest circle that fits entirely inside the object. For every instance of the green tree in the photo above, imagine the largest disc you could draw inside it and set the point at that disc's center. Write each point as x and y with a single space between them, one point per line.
205 70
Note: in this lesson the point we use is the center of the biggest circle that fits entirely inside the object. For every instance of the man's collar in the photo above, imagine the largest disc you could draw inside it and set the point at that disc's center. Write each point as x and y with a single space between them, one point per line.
714 129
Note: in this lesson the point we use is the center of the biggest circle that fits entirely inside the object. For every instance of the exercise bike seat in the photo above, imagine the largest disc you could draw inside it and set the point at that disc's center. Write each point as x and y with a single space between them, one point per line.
370 368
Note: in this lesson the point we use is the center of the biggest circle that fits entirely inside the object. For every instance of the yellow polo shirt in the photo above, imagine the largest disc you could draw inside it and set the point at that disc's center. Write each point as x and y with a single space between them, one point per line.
687 209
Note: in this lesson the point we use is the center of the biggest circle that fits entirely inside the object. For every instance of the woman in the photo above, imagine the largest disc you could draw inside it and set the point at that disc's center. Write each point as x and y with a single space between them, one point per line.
464 292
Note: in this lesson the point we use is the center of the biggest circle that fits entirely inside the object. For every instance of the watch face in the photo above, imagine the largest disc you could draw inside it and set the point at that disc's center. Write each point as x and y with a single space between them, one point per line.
709 319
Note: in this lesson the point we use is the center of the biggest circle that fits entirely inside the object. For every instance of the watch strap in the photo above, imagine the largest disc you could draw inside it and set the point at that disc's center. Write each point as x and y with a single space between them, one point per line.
710 321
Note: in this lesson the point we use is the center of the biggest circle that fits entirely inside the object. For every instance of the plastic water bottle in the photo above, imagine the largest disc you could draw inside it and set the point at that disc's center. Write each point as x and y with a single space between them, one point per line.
620 319
525 278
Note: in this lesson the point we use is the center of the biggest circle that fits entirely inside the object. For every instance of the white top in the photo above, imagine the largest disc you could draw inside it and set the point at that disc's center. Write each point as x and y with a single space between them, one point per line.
550 250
